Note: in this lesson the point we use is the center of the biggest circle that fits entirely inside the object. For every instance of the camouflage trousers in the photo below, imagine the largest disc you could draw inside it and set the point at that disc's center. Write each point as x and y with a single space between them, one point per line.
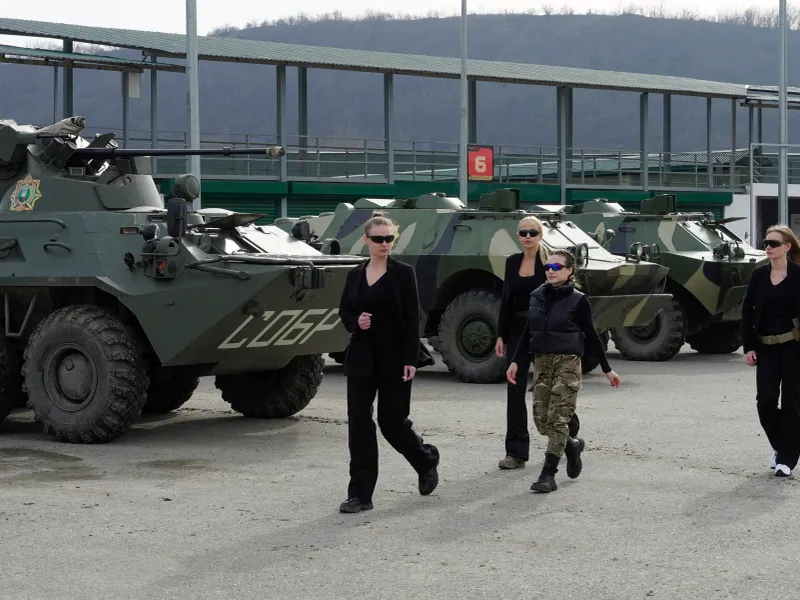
556 382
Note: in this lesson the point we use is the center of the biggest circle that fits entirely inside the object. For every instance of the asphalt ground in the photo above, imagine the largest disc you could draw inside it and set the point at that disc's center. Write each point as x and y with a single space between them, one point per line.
675 501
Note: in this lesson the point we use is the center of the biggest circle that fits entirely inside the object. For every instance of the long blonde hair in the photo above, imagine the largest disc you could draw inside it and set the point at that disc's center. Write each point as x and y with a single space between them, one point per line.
540 225
788 238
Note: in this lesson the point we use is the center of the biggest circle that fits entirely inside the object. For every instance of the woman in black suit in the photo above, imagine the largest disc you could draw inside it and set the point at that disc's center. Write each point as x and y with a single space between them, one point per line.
524 273
771 341
380 308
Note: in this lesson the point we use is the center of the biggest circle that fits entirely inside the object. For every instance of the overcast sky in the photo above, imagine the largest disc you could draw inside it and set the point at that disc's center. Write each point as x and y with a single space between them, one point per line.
169 15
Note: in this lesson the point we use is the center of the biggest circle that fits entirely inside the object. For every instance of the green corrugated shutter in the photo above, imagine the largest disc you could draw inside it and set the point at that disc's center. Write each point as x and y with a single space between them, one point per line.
303 206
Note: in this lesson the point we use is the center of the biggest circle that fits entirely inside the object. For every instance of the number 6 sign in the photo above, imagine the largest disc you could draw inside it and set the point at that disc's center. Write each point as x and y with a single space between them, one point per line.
480 163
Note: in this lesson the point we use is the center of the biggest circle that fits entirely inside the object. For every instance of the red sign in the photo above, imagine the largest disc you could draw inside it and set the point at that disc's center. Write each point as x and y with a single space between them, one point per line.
480 163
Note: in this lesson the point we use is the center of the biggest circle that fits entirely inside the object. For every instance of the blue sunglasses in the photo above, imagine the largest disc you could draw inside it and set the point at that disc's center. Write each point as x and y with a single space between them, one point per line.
553 267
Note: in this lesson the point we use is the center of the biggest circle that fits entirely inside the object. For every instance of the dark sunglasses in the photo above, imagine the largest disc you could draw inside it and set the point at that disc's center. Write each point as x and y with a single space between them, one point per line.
772 243
528 232
379 239
553 267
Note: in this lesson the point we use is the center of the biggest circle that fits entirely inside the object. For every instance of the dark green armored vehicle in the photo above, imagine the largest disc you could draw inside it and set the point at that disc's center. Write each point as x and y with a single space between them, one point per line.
709 268
459 255
115 303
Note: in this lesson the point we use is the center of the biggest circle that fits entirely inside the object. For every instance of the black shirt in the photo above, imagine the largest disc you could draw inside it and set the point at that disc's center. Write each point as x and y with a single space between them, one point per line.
779 309
384 334
583 317
516 294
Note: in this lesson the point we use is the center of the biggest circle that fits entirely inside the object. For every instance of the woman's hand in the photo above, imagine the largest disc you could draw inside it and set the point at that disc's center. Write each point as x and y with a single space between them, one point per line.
499 348
365 320
750 358
409 372
613 378
511 373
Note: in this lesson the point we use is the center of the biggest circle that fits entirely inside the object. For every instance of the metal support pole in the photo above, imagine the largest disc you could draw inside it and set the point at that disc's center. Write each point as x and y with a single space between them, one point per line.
55 94
67 103
709 157
568 144
154 113
153 104
463 181
472 108
194 92
783 171
302 118
388 124
561 120
733 143
125 109
666 136
643 139
760 127
280 111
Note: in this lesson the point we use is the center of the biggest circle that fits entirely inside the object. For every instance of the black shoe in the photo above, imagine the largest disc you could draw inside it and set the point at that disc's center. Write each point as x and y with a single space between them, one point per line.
354 505
428 480
573 453
547 481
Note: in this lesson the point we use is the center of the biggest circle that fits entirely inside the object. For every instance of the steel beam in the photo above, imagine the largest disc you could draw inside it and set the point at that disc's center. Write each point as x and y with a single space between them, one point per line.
153 105
666 136
710 163
733 143
472 107
561 127
125 109
67 102
302 118
644 110
388 124
280 111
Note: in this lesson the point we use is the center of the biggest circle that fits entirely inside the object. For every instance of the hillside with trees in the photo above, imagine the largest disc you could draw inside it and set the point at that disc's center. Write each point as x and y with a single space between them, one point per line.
239 98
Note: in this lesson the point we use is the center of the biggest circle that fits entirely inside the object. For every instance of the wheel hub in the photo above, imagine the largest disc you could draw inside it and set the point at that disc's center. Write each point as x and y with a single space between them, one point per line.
476 338
70 377
645 333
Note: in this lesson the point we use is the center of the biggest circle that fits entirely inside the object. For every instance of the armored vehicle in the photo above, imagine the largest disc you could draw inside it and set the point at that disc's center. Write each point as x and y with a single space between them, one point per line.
459 255
116 302
709 268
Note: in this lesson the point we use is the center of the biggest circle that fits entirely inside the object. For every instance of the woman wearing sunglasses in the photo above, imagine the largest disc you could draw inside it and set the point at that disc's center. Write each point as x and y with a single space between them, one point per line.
559 323
380 308
524 273
770 335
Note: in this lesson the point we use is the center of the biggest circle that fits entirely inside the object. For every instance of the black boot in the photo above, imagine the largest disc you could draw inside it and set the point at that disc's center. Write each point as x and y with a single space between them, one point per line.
573 451
547 481
429 478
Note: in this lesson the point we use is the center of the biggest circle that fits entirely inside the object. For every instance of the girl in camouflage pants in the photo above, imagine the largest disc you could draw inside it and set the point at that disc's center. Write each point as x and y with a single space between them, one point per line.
559 323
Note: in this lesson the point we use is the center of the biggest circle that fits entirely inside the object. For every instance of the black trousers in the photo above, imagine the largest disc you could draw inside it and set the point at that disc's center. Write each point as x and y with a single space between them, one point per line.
394 405
777 378
518 440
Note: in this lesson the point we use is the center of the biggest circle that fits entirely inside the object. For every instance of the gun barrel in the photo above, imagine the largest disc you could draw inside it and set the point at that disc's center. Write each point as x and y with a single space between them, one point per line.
271 151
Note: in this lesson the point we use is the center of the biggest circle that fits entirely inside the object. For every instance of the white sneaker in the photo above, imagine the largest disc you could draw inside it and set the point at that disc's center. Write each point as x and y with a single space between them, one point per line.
773 460
782 471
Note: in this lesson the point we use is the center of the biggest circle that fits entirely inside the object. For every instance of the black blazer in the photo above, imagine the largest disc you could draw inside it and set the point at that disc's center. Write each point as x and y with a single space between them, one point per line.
404 302
506 315
753 305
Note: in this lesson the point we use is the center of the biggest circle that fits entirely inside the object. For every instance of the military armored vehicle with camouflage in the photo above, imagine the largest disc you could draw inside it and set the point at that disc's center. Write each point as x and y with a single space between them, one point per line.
709 268
459 255
116 302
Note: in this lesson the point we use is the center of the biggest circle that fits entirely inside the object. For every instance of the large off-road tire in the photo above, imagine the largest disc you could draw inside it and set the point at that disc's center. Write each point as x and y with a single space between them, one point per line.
84 375
467 337
659 340
168 391
273 394
11 394
717 338
590 362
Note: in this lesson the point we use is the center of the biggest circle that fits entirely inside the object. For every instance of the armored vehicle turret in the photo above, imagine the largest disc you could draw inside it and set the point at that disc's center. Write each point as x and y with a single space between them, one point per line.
459 255
116 302
709 268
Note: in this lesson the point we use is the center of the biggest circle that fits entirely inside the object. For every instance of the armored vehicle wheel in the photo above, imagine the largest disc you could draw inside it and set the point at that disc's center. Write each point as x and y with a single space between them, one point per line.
85 377
467 336
717 338
11 394
169 391
659 340
589 362
274 394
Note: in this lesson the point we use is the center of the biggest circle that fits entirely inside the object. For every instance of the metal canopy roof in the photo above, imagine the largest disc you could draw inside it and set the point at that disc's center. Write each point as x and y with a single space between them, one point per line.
237 50
55 58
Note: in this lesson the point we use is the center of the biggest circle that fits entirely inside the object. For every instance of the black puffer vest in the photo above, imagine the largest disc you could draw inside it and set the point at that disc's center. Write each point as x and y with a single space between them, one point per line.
551 320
